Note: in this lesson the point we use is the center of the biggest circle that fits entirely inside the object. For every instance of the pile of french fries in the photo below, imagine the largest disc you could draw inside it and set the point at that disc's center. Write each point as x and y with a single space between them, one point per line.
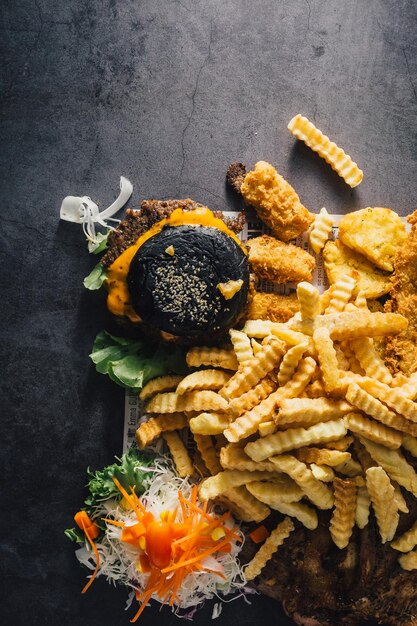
298 416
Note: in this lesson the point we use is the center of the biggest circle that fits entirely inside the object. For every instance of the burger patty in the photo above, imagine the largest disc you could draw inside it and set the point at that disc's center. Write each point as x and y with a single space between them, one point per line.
235 175
136 223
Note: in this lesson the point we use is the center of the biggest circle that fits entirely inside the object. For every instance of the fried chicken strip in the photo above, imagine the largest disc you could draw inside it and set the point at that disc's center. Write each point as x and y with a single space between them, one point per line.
273 306
401 351
279 262
275 201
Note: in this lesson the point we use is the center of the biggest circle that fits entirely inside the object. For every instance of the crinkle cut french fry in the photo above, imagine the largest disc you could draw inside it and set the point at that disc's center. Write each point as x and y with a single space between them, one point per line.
343 517
294 438
315 390
220 483
251 398
363 400
407 541
383 501
316 491
212 357
208 453
321 456
341 294
267 428
342 360
310 411
409 387
160 384
258 328
253 371
300 379
271 545
209 423
354 365
369 360
361 302
393 462
150 430
241 345
410 444
179 453
308 297
203 379
279 489
399 498
234 457
342 444
408 561
304 513
322 472
363 506
292 337
320 230
394 398
325 298
256 347
327 356
190 401
290 362
374 431
363 456
250 509
350 468
338 160
353 324
248 423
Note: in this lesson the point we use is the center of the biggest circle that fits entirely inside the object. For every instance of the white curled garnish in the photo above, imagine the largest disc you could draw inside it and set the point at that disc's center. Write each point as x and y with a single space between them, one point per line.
82 210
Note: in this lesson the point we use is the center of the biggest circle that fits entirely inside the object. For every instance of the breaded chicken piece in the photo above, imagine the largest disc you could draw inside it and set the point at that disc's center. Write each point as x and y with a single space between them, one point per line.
275 201
401 351
279 262
273 306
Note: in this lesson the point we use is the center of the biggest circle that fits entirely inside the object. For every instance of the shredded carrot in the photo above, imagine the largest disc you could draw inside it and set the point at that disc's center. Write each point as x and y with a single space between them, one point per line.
97 555
113 521
83 520
259 534
191 541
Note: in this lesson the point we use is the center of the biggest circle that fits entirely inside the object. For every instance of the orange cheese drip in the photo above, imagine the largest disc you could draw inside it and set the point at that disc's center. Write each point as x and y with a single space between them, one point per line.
118 299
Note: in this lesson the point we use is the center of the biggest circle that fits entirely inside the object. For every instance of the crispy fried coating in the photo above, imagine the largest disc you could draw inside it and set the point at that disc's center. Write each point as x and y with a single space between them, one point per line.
273 306
279 262
275 201
375 232
401 351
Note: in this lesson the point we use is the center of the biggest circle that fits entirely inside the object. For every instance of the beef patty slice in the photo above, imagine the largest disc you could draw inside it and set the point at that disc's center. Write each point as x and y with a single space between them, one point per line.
136 223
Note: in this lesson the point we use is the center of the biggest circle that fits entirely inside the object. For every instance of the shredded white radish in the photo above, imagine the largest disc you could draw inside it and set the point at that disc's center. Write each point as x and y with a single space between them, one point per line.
82 210
118 559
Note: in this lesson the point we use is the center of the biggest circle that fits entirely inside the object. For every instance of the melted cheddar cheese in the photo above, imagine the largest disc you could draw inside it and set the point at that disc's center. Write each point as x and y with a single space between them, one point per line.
118 300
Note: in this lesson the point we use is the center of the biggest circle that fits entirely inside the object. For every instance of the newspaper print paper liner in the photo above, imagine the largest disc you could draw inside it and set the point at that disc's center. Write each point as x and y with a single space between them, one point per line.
134 415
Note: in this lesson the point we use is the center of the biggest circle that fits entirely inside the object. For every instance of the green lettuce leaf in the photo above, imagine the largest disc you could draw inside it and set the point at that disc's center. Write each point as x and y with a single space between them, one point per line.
75 534
133 362
96 278
130 471
100 243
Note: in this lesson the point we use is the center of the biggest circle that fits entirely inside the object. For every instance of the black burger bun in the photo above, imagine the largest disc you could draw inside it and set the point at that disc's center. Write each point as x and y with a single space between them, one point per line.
189 281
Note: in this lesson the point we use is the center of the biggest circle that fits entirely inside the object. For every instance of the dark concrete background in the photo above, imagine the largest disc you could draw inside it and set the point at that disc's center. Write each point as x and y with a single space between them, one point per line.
166 93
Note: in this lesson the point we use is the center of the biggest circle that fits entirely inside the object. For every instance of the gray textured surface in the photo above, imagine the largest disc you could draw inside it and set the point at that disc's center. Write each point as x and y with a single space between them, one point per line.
166 93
